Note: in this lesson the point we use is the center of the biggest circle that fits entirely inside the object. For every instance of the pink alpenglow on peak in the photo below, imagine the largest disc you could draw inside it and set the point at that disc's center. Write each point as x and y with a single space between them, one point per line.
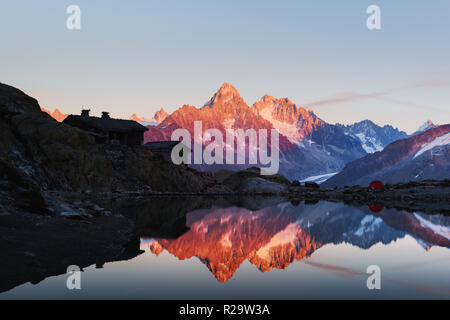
134 117
160 115
226 100
426 126
291 121
56 114
157 118
322 148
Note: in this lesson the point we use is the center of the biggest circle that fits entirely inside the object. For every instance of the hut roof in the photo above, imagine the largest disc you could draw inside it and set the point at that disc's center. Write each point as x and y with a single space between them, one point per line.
106 124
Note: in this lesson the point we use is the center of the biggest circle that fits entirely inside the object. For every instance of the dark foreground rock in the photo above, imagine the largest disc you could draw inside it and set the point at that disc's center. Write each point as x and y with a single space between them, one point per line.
34 247
56 156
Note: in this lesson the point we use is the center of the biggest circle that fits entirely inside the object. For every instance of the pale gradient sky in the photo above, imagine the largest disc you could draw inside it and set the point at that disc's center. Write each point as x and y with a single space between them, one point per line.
137 56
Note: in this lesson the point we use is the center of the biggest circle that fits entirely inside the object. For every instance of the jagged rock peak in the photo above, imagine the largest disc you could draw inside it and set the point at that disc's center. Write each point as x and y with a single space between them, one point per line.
160 115
227 94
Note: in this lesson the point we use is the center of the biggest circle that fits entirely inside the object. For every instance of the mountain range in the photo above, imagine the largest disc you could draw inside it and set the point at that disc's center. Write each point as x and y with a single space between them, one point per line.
373 138
157 118
420 157
310 148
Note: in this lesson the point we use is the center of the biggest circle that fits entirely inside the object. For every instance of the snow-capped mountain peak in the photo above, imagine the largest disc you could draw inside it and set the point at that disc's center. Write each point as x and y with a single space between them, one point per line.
293 122
373 137
424 127
157 118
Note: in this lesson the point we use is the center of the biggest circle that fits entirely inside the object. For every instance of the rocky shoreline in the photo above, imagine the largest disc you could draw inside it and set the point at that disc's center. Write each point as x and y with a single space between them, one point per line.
429 196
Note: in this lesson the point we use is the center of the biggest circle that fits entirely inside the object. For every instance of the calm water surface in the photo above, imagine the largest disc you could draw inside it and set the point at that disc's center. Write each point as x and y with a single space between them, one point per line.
278 251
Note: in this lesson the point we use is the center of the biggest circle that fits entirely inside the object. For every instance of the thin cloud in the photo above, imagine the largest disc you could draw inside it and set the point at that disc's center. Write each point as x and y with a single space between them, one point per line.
432 83
338 270
346 98
408 103
353 96
345 272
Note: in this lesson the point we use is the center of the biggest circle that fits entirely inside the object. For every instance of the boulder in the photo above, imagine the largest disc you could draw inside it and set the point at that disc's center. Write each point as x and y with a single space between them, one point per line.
234 180
310 184
260 185
295 183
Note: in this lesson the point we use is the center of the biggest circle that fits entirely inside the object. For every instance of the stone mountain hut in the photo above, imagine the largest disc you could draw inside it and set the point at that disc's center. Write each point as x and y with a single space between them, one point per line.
108 130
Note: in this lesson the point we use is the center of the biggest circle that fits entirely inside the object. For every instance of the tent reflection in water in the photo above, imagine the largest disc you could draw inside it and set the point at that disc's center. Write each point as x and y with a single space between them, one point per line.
376 185
376 207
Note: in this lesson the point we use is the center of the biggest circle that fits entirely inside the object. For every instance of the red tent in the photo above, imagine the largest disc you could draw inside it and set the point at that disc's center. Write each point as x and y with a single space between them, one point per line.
376 207
376 185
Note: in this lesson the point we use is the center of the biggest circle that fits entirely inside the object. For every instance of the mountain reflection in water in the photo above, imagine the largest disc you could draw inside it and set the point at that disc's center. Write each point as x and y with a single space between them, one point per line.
265 248
276 236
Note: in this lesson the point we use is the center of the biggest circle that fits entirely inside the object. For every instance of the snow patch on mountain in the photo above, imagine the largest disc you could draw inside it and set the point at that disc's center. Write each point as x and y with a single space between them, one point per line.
225 241
319 178
368 224
369 144
288 235
229 123
149 123
372 137
440 230
439 141
288 130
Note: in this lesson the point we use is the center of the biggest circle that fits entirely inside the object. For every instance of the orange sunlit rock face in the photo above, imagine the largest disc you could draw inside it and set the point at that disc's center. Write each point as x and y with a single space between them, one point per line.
156 248
57 115
283 111
228 110
158 117
224 238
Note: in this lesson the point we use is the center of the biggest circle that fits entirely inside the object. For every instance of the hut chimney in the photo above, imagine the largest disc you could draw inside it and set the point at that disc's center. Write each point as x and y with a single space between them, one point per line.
105 115
85 113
